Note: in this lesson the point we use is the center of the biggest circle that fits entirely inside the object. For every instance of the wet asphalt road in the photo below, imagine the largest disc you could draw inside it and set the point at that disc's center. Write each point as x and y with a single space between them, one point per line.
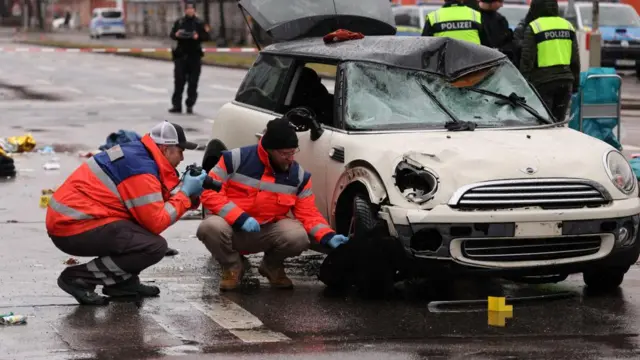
191 320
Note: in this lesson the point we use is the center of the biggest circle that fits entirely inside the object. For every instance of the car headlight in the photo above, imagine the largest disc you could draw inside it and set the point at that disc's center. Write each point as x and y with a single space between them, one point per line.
416 184
620 172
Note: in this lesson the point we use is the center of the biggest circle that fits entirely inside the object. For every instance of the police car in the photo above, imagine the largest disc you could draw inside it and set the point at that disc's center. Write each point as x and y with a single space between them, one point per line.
619 25
410 19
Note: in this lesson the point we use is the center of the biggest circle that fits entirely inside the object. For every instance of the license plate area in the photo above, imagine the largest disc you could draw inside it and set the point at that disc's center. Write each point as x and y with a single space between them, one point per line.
625 62
536 229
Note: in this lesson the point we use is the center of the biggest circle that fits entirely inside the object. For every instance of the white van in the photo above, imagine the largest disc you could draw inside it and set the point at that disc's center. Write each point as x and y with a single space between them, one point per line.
107 22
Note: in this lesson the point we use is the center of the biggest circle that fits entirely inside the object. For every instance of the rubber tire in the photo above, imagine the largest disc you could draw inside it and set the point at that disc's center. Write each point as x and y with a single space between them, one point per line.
375 260
604 280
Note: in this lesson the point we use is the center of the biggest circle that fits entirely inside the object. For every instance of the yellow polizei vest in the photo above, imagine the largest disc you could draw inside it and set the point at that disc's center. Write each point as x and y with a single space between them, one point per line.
554 40
456 22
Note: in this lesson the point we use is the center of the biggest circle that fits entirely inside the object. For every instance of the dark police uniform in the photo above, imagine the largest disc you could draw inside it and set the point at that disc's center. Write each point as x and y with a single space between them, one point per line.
187 59
550 57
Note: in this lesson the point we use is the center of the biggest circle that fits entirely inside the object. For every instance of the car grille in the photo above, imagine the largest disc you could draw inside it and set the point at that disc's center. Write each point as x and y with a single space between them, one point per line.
545 193
530 249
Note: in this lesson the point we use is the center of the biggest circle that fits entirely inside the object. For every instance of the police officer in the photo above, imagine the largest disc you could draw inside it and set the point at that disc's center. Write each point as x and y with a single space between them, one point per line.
457 21
550 58
189 31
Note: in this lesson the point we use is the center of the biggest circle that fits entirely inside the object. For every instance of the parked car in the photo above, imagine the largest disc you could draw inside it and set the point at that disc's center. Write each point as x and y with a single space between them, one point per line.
410 19
444 142
107 22
619 25
514 13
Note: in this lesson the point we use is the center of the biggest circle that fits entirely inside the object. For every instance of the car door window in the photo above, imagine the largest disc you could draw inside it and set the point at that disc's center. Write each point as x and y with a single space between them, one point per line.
402 18
264 83
415 18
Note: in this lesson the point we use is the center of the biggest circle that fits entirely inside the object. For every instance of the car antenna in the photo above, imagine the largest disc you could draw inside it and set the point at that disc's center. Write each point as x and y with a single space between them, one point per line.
244 15
335 11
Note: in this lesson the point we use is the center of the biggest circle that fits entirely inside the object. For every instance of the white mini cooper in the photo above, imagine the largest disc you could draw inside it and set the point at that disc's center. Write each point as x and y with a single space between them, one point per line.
441 139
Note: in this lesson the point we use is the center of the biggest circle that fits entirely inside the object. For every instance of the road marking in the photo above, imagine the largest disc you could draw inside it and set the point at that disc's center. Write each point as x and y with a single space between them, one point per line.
114 69
104 98
149 88
238 321
210 121
71 89
46 68
43 82
222 87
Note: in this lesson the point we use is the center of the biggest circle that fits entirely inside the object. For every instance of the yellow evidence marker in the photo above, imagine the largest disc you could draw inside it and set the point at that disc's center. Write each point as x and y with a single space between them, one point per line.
498 311
45 197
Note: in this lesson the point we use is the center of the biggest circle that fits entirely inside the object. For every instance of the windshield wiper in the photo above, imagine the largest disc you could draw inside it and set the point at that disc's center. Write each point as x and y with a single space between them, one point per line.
454 125
513 100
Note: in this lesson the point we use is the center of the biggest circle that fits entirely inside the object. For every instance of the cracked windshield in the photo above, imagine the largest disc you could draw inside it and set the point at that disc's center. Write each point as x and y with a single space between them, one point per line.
383 97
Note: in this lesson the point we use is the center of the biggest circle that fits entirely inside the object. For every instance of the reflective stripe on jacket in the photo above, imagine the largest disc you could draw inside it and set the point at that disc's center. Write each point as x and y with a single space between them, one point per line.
457 22
554 40
129 181
251 188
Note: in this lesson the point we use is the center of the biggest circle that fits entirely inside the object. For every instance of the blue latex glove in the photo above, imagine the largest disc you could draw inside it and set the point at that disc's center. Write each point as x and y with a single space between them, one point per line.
337 240
192 185
251 225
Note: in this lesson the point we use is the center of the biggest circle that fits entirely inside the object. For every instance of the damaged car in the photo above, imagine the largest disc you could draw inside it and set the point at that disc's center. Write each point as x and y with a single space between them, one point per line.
441 141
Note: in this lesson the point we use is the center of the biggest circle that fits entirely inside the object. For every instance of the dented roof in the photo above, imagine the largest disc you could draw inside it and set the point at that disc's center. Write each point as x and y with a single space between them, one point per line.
447 57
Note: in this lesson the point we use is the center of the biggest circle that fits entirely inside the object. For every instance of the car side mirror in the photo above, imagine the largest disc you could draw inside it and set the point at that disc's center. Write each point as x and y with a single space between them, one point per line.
304 119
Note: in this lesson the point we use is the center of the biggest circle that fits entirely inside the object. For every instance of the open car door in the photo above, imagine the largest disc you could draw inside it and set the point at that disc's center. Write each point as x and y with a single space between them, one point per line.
286 20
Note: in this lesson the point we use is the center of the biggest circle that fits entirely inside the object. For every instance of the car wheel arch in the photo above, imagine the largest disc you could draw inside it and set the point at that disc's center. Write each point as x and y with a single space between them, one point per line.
359 177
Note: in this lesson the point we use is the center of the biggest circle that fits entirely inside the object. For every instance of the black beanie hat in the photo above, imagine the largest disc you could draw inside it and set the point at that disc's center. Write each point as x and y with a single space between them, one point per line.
280 134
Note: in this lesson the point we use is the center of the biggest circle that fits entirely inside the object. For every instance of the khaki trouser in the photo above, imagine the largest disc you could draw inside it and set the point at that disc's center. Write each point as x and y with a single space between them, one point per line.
280 240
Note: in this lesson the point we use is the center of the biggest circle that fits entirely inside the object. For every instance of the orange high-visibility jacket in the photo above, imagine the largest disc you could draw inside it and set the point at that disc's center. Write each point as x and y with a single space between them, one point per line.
251 188
131 181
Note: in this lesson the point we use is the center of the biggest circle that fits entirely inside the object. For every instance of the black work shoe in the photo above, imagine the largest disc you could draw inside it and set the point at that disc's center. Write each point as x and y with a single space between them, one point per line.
171 252
189 110
175 110
131 287
83 294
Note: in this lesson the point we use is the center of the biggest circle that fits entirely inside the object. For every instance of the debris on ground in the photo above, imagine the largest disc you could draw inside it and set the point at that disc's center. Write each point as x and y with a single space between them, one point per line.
12 319
71 261
7 166
51 165
18 144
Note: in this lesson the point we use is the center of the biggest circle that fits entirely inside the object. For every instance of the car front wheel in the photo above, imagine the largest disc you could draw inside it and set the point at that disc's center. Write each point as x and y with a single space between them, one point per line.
376 252
604 280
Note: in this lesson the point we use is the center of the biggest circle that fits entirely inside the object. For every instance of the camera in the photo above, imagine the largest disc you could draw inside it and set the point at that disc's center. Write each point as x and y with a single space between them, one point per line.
209 182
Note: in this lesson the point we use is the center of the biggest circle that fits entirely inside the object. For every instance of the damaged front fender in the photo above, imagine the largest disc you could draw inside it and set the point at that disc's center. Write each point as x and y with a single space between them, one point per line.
367 177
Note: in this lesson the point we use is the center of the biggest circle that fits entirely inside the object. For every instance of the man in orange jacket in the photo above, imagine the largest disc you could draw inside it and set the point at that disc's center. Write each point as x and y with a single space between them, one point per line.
261 185
114 206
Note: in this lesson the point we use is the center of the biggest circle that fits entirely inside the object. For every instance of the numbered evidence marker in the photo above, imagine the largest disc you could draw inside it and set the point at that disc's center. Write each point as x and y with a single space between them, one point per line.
45 198
498 311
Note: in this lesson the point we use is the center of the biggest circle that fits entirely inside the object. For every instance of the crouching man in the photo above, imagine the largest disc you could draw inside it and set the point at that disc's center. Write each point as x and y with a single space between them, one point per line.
114 206
262 184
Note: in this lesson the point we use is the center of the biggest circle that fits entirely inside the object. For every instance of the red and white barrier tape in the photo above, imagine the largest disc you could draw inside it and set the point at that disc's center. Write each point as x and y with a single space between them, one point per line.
120 50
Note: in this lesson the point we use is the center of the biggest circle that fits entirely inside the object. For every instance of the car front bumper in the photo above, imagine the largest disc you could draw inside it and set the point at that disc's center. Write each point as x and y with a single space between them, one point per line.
518 241
620 57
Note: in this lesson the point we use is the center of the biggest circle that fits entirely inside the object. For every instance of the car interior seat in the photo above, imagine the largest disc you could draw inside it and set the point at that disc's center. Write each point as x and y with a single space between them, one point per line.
310 92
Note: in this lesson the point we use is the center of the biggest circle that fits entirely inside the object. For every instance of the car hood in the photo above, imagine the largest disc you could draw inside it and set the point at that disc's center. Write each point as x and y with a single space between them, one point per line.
462 158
